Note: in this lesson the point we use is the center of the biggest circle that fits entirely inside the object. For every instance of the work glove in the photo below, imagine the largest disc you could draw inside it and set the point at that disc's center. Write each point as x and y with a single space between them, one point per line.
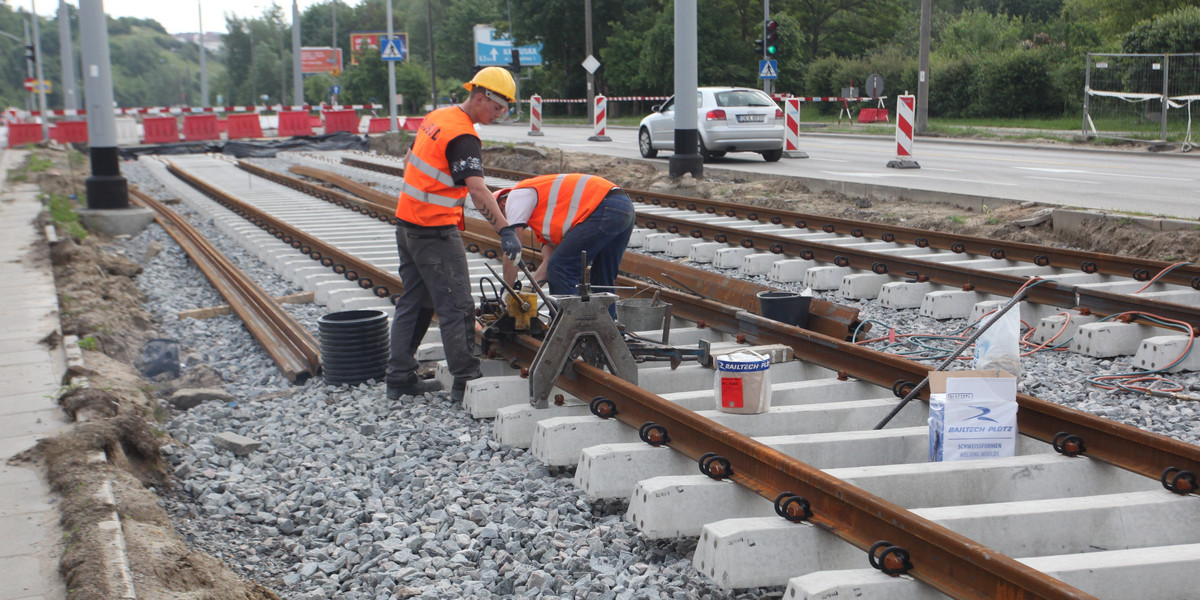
510 244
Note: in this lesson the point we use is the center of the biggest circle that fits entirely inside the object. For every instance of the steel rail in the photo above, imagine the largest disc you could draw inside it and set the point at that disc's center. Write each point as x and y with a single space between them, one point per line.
363 273
953 564
288 343
1096 301
1124 446
1043 256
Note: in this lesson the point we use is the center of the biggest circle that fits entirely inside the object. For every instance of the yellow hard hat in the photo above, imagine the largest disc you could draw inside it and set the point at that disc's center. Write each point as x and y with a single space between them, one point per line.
496 79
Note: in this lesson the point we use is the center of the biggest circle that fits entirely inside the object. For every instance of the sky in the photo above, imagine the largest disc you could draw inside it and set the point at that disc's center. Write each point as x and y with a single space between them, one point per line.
179 16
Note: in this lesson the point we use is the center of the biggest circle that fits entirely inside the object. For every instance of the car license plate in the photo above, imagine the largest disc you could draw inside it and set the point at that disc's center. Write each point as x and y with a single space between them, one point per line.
750 118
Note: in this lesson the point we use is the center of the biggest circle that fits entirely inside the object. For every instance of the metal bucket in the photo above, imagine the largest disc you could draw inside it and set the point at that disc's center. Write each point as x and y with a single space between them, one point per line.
645 314
786 307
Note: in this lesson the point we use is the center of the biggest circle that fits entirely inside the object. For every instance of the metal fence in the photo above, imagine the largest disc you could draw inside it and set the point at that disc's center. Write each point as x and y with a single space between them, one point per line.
1141 97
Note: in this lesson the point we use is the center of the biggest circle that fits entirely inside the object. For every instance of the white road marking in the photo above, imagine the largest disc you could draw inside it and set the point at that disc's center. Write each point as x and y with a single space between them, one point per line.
1063 180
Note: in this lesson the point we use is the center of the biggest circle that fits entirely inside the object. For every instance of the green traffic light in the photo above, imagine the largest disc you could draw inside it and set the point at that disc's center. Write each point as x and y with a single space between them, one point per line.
771 50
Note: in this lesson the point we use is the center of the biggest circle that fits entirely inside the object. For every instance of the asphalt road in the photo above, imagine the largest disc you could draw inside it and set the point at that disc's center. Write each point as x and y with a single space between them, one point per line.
1139 181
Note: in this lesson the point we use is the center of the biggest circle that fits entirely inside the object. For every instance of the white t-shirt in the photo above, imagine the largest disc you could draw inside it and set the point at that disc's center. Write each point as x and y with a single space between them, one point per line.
520 205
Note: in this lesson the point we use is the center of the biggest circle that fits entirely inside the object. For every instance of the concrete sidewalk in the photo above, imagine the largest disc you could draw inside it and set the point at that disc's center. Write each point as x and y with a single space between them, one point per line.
31 372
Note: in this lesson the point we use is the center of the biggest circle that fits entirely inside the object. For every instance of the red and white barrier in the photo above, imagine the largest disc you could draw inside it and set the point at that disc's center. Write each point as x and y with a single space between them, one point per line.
791 129
601 121
905 111
535 115
183 110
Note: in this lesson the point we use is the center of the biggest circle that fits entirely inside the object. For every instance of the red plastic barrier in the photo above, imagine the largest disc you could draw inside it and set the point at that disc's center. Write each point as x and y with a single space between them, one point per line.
244 126
340 120
201 127
314 121
413 123
20 134
294 122
379 125
69 132
223 125
160 130
871 115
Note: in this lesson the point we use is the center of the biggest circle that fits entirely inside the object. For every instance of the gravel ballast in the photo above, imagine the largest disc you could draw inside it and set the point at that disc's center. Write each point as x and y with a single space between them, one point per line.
353 496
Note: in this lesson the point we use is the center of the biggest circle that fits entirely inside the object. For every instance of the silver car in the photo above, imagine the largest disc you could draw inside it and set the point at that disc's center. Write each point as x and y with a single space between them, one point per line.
731 120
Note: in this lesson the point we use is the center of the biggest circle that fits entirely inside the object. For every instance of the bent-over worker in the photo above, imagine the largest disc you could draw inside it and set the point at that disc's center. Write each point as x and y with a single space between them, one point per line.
569 214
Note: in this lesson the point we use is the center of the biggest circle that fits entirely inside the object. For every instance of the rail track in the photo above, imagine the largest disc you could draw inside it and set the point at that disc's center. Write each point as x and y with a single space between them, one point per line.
1085 521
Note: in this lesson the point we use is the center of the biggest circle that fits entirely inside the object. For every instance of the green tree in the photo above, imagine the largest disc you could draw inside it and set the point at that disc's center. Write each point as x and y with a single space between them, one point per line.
1175 32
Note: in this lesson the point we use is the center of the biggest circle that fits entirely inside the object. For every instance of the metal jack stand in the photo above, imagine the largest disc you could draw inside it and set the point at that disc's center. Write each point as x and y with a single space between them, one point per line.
582 328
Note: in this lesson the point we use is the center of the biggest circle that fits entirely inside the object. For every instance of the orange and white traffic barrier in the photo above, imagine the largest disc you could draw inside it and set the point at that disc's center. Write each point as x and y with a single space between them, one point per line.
905 112
535 115
601 117
791 129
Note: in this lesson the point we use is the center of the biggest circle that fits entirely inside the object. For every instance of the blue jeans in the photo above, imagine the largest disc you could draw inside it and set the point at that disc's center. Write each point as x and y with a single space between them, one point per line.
603 235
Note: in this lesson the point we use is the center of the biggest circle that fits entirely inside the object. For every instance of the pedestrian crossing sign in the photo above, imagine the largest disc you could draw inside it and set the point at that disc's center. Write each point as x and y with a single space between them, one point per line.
391 49
768 69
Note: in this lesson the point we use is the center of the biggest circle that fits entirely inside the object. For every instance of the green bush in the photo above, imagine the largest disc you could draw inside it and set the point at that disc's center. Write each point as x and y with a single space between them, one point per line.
1016 84
950 87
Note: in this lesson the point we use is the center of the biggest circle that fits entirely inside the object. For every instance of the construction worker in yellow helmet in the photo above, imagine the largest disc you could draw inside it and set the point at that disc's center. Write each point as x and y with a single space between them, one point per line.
442 169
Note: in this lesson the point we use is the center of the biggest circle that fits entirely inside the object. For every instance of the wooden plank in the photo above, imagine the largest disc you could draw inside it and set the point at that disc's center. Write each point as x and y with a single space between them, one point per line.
223 310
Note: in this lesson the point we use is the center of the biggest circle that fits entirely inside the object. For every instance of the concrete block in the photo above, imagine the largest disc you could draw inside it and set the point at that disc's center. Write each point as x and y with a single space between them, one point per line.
369 301
706 252
674 507
1107 339
790 270
1058 329
730 258
116 221
657 242
1153 573
949 304
324 289
759 264
1157 352
768 551
902 294
681 247
515 424
856 286
826 277
235 443
336 299
637 238
312 279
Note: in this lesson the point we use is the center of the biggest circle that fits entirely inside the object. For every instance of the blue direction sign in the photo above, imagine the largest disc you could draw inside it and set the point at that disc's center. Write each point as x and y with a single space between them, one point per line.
768 69
491 51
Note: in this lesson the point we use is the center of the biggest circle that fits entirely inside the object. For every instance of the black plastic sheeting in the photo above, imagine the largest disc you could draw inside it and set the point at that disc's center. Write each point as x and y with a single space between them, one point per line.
254 148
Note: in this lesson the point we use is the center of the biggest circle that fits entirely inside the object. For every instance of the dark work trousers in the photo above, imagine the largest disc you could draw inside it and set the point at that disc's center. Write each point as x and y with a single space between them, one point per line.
603 235
433 269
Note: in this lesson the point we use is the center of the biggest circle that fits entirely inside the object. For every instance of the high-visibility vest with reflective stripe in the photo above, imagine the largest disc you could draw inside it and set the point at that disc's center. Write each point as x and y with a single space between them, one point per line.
429 196
563 202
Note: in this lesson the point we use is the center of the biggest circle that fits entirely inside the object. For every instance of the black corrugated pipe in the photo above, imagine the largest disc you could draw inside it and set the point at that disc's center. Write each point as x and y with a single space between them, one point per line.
354 346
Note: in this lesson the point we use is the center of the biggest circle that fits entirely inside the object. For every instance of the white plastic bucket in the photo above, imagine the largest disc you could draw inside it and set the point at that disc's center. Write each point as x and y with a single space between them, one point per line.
743 383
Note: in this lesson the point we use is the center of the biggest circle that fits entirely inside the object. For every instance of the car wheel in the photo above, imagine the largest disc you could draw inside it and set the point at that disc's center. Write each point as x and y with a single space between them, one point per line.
703 150
644 144
716 154
772 155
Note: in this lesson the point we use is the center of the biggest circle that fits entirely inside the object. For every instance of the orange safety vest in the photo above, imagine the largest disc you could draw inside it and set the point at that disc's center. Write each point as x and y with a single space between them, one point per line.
429 196
563 202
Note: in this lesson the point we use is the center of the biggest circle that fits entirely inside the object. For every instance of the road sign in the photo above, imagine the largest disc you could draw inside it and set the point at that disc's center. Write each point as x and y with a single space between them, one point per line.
491 51
591 64
29 83
335 89
361 41
394 50
768 69
874 85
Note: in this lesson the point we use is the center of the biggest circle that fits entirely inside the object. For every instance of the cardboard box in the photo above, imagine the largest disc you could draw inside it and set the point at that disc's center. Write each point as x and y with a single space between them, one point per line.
972 415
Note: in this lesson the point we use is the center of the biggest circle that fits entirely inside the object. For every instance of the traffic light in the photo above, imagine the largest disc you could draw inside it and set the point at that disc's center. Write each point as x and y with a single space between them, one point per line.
772 38
758 49
29 52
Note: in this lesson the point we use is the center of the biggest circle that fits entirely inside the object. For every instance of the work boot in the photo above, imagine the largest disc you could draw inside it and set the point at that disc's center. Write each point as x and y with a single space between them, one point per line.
459 389
413 387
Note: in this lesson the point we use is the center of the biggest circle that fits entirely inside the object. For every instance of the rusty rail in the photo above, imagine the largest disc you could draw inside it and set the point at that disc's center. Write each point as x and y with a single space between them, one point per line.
284 339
